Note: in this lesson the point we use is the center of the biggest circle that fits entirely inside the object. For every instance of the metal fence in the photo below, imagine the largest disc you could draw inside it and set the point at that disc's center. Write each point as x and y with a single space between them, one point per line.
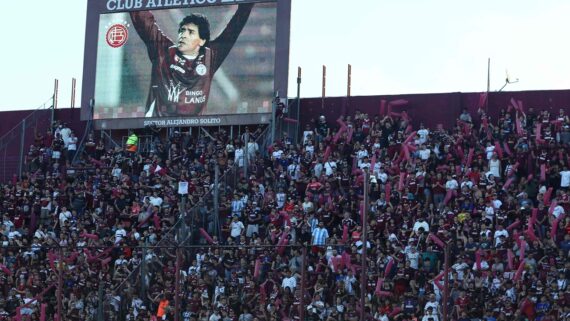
180 242
15 145
111 300
198 221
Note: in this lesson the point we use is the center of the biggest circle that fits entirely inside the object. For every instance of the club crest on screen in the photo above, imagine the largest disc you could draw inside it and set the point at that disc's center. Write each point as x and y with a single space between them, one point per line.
117 35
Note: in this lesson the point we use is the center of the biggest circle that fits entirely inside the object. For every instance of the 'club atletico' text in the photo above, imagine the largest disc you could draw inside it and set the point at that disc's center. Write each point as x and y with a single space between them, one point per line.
118 5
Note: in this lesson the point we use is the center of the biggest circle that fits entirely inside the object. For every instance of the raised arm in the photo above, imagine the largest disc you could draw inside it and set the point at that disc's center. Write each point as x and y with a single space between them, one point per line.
146 27
226 40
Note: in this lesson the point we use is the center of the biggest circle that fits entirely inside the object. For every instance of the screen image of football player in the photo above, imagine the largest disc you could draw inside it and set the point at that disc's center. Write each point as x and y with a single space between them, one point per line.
182 71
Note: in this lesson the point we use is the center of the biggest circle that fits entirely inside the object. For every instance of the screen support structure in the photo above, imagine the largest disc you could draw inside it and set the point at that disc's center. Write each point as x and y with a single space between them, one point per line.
298 126
274 116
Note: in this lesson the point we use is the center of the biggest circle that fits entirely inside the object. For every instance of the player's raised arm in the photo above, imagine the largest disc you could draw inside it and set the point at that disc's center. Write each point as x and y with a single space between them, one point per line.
145 25
226 40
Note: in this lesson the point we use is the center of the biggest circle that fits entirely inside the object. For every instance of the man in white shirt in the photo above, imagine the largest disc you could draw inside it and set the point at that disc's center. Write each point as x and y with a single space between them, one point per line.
565 178
558 210
413 256
307 134
381 175
421 223
65 134
459 267
484 265
64 215
310 148
365 163
424 152
13 233
155 200
497 202
239 156
116 172
7 224
423 133
466 183
294 170
430 315
350 282
498 233
330 167
289 281
280 198
451 183
318 169
433 305
276 153
489 150
71 146
252 149
361 153
120 233
121 260
40 234
236 227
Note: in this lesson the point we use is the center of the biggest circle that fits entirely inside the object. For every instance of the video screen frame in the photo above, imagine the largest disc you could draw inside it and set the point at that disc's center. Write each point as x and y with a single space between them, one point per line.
97 8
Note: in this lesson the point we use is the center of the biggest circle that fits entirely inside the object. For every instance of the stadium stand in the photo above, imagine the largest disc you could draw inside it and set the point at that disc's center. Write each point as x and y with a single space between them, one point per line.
111 238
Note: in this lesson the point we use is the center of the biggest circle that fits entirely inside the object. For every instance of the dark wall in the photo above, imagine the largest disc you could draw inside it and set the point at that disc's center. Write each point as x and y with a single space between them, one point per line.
433 109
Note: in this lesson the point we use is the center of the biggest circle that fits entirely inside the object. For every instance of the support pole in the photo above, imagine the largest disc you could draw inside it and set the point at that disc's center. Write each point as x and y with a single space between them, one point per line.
4 164
273 116
101 302
349 81
54 102
488 84
303 284
143 269
346 104
60 286
246 155
364 238
73 84
446 287
324 87
298 125
177 286
22 142
217 200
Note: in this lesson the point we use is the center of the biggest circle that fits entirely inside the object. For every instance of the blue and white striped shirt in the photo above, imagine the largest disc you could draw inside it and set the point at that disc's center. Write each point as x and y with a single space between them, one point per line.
320 236
237 207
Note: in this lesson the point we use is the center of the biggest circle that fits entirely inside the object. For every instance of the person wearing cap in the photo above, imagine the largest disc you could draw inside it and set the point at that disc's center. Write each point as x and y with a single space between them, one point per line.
431 309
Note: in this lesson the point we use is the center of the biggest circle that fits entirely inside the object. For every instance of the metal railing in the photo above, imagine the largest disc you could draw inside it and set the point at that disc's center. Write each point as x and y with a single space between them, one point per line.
178 244
101 302
203 217
16 156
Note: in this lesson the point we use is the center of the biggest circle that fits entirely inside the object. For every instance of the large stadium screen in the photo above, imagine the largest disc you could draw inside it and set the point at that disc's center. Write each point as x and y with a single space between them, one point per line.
184 62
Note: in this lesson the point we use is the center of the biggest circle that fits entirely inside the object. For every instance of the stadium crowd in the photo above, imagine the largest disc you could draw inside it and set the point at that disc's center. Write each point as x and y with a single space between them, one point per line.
493 192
